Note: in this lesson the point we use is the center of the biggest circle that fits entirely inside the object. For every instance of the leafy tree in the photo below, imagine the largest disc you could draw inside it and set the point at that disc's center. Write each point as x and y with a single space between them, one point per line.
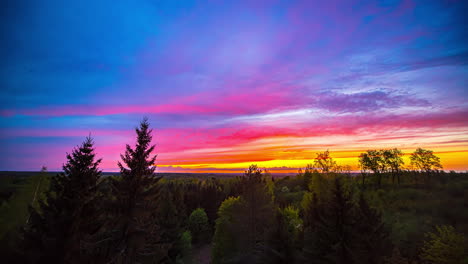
373 160
56 232
445 246
133 235
185 245
225 240
425 161
324 162
198 225
394 161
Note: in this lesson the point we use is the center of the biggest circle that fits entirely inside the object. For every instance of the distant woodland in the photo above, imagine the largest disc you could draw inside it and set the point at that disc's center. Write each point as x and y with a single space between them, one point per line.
387 213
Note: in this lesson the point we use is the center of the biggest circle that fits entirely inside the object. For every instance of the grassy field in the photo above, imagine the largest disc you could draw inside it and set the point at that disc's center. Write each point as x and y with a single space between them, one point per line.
17 192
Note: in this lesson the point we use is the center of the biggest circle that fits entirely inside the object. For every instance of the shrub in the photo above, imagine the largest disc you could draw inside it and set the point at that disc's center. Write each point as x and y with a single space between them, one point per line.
198 225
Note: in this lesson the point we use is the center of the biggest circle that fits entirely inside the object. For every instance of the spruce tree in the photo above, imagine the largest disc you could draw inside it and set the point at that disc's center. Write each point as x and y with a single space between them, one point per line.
329 231
337 230
132 235
170 215
57 231
256 218
372 242
283 244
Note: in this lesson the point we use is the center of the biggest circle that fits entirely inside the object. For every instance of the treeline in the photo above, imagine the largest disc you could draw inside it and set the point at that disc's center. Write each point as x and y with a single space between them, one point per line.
322 215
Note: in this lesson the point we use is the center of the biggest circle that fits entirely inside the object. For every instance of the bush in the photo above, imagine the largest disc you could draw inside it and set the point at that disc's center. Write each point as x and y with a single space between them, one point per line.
446 246
185 245
198 225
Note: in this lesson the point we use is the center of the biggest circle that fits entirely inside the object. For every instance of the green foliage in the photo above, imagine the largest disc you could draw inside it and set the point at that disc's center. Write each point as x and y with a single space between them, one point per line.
307 177
185 245
284 244
225 240
372 241
198 225
256 216
253 217
373 160
393 162
19 193
292 221
339 231
425 160
445 246
324 162
169 216
320 185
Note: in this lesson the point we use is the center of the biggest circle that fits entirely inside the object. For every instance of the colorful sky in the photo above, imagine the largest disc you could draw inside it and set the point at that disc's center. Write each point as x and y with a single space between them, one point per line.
230 83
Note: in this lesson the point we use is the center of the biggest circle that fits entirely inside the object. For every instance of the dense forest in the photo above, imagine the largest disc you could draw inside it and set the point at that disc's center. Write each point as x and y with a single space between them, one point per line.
390 212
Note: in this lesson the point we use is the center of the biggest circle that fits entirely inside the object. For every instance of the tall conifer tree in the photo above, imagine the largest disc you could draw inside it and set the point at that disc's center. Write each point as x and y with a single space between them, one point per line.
133 235
56 232
256 219
337 230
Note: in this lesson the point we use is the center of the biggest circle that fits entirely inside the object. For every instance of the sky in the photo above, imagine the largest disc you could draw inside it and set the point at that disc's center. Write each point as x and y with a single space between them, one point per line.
226 84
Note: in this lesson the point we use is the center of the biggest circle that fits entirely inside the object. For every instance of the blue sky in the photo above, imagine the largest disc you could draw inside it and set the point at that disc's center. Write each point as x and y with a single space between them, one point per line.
231 83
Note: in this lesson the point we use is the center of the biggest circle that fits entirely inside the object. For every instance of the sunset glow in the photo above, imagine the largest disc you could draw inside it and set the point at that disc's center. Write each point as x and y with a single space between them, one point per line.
226 86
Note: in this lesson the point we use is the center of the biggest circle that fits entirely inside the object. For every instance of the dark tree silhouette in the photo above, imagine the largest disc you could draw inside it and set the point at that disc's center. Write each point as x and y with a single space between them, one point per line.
170 216
373 160
425 161
56 232
393 160
372 240
339 231
256 216
324 162
249 223
132 234
283 244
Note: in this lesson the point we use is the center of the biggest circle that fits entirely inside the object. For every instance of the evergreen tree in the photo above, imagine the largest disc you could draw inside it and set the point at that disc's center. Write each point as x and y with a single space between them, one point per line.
372 240
132 235
245 224
57 231
170 215
283 245
337 230
212 196
256 217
